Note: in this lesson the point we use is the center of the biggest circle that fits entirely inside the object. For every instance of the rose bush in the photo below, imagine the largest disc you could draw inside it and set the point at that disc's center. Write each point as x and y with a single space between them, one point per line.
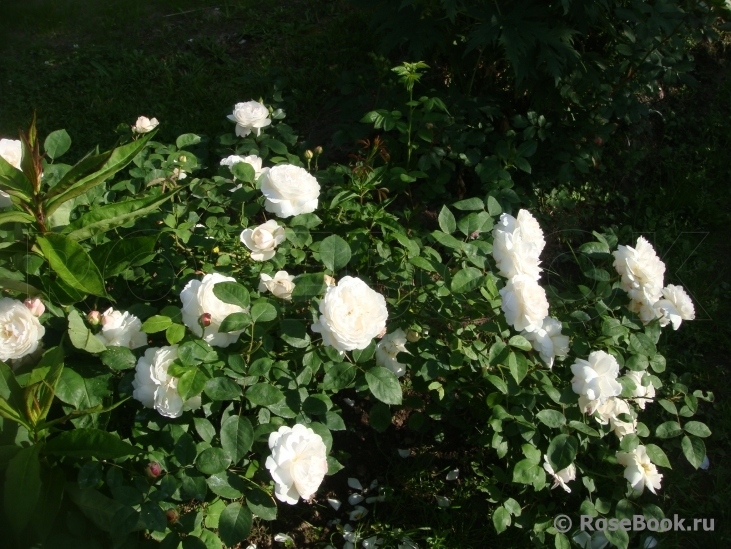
233 340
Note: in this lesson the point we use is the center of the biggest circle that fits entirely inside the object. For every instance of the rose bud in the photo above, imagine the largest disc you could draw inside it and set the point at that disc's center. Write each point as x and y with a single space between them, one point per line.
318 150
330 281
413 336
35 306
205 320
598 140
308 154
172 516
153 469
94 318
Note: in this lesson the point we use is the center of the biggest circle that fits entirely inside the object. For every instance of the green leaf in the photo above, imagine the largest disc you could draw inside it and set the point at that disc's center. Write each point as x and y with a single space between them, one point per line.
263 394
669 429
234 525
71 262
192 383
658 457
184 450
498 382
157 323
519 342
261 504
118 358
175 333
551 418
204 428
237 436
57 143
243 171
526 472
222 388
212 461
235 322
379 417
446 220
186 140
583 428
308 286
334 252
22 487
657 363
562 451
642 344
192 353
15 182
561 541
384 385
16 217
339 376
112 258
84 443
263 312
317 404
518 365
466 280
493 206
501 519
694 450
618 537
153 517
68 188
469 204
232 293
11 396
81 337
697 428
629 442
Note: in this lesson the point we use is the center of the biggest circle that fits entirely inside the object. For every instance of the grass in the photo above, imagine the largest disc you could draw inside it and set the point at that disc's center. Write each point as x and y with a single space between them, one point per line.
86 66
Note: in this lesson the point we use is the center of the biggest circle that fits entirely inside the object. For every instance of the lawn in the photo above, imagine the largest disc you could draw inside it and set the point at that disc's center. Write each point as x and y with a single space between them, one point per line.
88 66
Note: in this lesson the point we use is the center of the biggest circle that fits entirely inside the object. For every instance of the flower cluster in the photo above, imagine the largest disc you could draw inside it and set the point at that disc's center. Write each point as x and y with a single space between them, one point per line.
20 330
121 329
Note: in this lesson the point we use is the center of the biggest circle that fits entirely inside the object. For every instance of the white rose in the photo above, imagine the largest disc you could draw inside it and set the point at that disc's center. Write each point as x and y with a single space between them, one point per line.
121 329
12 151
642 272
596 378
642 395
675 306
289 190
263 240
20 331
524 303
179 174
548 340
249 116
252 160
352 314
198 298
298 463
639 470
281 285
609 412
145 125
588 406
517 244
562 477
387 349
154 388
32 358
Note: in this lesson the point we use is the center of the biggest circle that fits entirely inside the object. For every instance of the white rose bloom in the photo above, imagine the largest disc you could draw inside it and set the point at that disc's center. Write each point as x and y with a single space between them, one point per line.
641 395
281 285
263 240
596 379
198 298
32 358
250 116
548 340
154 388
639 470
12 151
179 174
20 331
252 160
517 244
145 125
524 303
675 306
609 413
387 349
352 314
289 190
562 477
642 272
588 406
298 463
121 329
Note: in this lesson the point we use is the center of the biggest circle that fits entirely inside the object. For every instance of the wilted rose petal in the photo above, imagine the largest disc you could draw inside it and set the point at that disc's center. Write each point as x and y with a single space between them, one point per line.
355 499
355 484
443 502
706 464
453 475
358 513
283 538
334 503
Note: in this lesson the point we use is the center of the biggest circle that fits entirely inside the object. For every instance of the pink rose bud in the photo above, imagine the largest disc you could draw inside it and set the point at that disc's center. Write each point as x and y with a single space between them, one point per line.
35 306
205 320
598 140
318 150
172 516
474 235
94 318
154 469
